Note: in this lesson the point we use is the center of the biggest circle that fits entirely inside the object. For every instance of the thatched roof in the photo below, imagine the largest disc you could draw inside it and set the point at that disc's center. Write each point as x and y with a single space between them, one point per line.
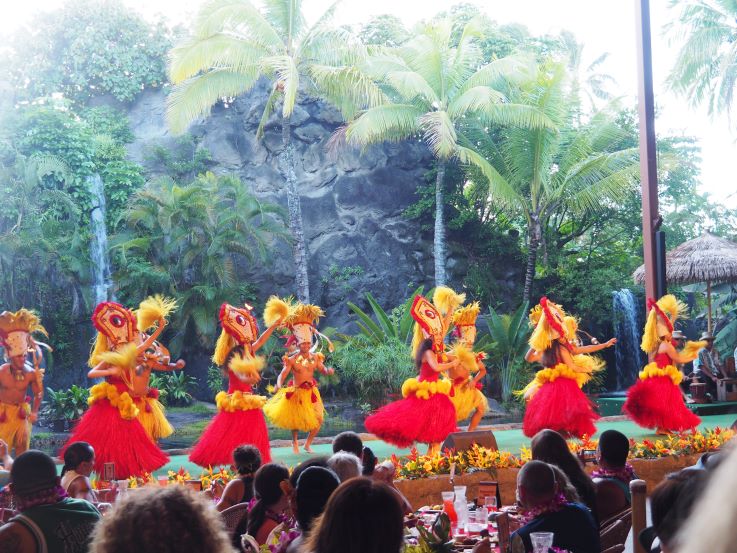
706 258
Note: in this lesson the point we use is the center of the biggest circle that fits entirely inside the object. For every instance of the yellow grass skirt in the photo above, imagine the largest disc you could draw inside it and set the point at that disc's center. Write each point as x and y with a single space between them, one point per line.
466 399
152 417
298 411
15 429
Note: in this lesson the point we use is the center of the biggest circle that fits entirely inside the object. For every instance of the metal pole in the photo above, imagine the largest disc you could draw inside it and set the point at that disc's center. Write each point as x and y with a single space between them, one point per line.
648 154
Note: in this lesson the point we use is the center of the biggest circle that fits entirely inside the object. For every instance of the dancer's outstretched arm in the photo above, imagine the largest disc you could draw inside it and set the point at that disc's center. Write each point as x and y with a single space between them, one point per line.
594 347
265 336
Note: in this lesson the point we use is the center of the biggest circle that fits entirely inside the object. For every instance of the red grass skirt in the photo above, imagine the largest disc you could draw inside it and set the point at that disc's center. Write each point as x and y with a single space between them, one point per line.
227 431
656 402
412 419
116 440
560 405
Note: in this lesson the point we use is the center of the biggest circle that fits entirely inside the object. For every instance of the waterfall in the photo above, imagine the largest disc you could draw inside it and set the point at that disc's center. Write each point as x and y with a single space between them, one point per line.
627 331
101 277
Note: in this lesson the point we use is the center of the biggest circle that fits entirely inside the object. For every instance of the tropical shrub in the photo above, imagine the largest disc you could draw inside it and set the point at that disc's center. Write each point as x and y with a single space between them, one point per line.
175 388
509 333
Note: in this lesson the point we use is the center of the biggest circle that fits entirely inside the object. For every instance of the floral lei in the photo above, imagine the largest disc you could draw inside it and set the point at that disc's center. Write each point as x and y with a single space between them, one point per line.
553 506
48 496
626 474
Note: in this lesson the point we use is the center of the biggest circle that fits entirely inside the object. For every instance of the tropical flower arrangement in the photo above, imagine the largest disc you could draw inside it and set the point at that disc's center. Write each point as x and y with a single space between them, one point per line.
139 481
221 477
179 477
478 458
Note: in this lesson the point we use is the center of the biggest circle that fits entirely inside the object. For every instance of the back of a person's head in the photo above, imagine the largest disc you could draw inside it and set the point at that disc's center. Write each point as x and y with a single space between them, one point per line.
362 516
246 459
564 486
368 460
76 454
317 461
268 488
672 502
345 465
348 441
314 488
161 520
536 481
614 447
550 447
33 473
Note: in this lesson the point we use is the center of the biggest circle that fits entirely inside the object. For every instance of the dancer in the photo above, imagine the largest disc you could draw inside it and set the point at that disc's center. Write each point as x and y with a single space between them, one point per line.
111 424
239 419
555 400
16 414
426 413
655 400
466 395
298 406
151 413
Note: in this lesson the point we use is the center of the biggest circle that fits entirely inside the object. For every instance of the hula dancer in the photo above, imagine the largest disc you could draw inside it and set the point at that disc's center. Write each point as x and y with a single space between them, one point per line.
111 425
239 419
426 414
298 406
655 400
17 415
467 375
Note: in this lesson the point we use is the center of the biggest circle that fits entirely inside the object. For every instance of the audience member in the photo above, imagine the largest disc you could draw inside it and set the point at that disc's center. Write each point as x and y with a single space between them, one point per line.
672 503
369 461
550 447
6 463
708 369
345 465
246 460
79 460
314 488
350 442
612 478
272 500
564 486
162 520
361 516
48 519
546 510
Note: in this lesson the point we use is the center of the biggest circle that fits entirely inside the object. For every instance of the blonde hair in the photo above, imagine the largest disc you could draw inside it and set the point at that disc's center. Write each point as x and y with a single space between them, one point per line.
161 520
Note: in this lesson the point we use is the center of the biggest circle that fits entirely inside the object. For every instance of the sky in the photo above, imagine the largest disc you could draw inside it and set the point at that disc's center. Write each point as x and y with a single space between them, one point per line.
601 25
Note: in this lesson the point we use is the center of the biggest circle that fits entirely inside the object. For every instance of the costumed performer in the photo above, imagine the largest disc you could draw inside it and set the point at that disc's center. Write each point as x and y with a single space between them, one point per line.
17 415
239 419
111 424
426 413
655 400
298 405
152 311
554 398
466 394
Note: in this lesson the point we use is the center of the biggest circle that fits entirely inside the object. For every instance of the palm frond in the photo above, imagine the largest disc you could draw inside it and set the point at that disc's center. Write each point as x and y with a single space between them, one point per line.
287 76
218 51
392 122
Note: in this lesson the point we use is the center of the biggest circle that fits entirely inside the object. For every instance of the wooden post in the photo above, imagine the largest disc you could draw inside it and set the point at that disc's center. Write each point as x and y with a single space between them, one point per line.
638 489
708 304
648 159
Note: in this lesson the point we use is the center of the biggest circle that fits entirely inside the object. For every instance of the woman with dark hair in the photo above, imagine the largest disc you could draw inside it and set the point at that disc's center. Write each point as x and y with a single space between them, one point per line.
672 503
79 460
246 460
361 516
550 447
270 487
369 460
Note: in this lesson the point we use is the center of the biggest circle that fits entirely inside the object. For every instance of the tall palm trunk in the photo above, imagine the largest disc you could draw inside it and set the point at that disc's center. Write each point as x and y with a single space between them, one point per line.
535 234
439 240
296 228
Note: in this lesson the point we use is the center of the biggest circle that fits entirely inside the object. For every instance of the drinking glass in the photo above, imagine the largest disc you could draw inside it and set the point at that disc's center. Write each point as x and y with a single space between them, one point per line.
490 503
541 541
448 507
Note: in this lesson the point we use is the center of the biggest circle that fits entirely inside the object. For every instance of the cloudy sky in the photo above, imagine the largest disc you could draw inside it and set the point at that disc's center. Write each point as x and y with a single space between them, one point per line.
601 25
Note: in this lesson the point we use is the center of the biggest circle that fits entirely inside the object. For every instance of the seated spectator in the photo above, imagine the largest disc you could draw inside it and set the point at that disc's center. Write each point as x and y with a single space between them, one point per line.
612 478
345 465
350 442
6 462
550 447
272 501
79 460
672 503
314 488
708 369
361 516
48 519
246 460
564 486
162 520
369 461
546 510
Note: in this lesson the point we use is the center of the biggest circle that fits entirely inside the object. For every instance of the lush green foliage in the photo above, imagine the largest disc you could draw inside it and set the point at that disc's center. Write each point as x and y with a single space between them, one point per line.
509 333
384 327
175 388
88 48
66 405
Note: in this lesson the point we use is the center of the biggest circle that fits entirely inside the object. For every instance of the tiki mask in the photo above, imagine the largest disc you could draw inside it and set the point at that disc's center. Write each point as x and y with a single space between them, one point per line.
115 322
429 319
239 323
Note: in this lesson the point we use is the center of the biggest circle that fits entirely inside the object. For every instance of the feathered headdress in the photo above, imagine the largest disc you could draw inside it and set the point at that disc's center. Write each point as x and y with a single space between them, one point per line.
276 309
428 319
303 319
661 319
115 324
124 357
550 325
464 320
446 300
247 366
152 309
239 328
16 329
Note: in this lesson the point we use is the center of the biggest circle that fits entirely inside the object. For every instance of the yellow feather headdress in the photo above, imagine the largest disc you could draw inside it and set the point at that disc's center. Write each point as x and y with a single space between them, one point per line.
305 313
277 308
245 365
661 320
447 300
24 320
125 357
550 325
467 314
152 309
466 357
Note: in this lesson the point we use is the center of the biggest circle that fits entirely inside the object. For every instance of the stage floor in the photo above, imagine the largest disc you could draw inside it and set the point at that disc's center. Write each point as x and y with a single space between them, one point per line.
508 440
612 406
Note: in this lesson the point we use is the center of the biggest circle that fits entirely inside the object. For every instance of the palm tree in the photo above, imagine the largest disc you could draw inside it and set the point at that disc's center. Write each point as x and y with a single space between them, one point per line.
436 87
574 167
706 67
233 45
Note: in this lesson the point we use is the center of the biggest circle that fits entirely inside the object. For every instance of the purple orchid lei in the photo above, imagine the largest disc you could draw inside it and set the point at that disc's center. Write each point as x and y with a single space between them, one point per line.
552 506
626 474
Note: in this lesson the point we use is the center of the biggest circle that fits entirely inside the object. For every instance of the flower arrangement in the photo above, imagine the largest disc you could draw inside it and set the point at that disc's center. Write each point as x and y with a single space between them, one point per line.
139 481
221 477
100 484
179 477
481 458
